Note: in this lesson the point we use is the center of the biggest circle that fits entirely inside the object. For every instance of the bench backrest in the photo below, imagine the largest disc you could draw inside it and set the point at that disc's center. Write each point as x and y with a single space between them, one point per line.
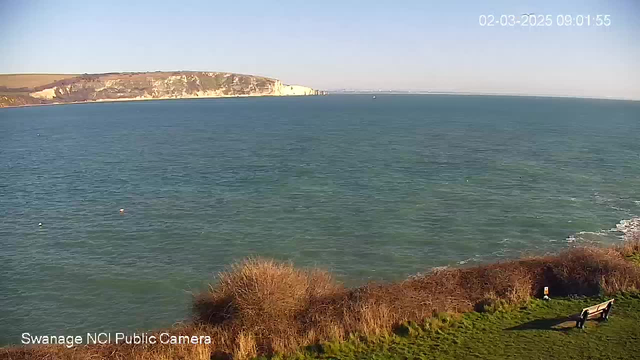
597 308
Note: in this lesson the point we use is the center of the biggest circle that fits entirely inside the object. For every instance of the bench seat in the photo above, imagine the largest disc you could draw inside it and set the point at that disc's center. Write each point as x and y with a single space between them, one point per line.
601 310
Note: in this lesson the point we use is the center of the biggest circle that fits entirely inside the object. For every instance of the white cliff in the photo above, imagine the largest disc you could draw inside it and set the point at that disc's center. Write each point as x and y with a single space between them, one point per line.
140 86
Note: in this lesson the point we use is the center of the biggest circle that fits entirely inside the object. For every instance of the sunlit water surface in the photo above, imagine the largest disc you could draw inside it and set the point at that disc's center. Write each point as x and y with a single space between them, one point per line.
369 189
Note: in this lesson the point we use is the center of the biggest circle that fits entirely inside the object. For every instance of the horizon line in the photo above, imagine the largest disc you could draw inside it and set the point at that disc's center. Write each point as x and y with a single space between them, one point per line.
469 93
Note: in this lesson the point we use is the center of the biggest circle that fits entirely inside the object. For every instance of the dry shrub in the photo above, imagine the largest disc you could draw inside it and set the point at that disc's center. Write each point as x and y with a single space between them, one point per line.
631 245
369 310
245 347
263 300
591 271
509 281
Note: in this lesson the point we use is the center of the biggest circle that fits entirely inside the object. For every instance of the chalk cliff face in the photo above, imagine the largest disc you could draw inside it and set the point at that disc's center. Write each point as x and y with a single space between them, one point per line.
157 85
294 90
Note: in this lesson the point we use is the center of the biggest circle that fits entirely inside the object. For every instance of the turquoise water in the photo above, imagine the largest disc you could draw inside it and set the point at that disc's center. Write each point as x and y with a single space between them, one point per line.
369 189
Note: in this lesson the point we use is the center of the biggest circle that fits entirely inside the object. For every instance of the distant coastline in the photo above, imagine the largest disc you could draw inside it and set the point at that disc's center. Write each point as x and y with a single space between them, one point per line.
141 100
18 90
426 92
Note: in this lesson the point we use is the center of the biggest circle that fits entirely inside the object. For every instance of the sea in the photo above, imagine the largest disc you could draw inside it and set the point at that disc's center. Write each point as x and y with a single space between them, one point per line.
113 214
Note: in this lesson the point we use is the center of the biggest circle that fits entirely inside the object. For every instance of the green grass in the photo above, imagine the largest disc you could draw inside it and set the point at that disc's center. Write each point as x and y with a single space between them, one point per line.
538 330
635 258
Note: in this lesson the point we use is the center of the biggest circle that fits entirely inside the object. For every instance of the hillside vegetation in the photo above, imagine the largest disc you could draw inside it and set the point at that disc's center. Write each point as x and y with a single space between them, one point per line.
537 330
266 308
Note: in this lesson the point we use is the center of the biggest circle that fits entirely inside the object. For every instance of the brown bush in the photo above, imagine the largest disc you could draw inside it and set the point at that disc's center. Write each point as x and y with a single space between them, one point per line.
631 245
263 300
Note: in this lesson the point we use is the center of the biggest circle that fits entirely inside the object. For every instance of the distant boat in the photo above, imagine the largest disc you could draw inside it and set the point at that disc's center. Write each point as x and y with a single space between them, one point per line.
374 97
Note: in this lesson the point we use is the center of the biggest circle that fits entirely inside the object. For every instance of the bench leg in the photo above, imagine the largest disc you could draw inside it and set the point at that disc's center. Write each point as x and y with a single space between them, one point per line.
605 313
583 319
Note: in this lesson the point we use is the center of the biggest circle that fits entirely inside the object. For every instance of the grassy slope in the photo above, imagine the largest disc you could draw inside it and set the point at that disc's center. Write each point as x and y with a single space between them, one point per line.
533 332
30 80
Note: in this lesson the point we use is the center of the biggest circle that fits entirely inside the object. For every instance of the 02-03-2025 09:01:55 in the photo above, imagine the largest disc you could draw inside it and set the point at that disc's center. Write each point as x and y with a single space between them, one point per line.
534 20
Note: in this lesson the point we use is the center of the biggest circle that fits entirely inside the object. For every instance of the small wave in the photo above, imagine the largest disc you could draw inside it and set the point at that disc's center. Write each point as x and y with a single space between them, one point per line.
439 268
587 236
623 230
434 269
615 203
617 208
628 227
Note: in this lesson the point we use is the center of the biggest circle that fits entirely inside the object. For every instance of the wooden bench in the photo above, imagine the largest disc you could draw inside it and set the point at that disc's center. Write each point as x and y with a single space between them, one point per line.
602 309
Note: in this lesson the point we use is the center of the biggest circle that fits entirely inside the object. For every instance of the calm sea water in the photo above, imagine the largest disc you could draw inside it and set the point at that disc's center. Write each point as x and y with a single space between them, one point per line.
369 189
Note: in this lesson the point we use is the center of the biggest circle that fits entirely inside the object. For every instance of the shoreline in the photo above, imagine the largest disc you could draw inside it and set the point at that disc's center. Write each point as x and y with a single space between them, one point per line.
325 94
150 99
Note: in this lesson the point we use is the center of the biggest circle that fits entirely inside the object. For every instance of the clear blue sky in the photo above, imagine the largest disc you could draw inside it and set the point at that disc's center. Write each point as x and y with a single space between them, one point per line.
410 45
